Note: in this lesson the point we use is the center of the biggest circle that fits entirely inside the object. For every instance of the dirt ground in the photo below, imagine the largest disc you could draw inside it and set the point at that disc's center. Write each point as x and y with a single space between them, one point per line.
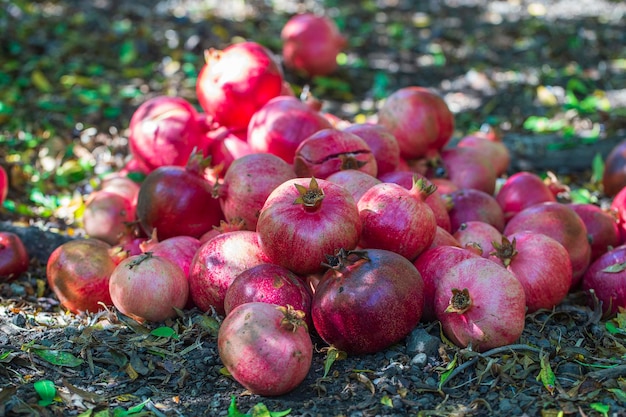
488 59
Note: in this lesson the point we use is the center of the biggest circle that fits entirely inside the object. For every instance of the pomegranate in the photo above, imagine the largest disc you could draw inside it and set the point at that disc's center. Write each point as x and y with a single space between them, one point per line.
4 184
397 219
107 216
602 228
614 174
225 146
618 206
122 185
480 233
432 264
367 300
164 131
178 249
495 150
304 219
269 283
247 184
14 258
467 168
148 288
560 222
230 226
80 285
265 347
444 238
331 150
471 204
178 201
480 304
217 263
540 263
382 143
282 124
521 190
419 119
356 182
311 44
606 276
236 82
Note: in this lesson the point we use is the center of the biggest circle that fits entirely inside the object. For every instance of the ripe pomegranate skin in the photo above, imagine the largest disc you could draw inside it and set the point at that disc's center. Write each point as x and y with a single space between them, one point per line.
397 219
236 82
81 285
480 233
217 263
367 301
614 175
148 288
521 190
311 44
432 264
444 238
606 276
560 222
247 184
282 124
225 146
382 143
178 201
479 302
468 168
269 283
540 263
303 220
618 206
265 347
470 204
14 258
4 184
419 119
107 216
356 182
164 131
496 150
602 228
331 150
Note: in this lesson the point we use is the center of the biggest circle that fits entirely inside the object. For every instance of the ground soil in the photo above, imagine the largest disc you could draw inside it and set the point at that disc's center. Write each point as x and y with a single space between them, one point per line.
497 55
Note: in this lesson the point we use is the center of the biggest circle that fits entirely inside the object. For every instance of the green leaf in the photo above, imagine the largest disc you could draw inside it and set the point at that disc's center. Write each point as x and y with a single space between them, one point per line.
132 411
619 394
128 53
332 354
546 376
40 81
386 401
260 410
165 331
597 168
58 357
618 267
600 408
46 391
232 409
449 368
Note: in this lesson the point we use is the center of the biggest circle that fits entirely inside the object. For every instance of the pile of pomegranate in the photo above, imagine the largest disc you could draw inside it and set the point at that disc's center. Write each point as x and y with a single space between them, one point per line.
288 222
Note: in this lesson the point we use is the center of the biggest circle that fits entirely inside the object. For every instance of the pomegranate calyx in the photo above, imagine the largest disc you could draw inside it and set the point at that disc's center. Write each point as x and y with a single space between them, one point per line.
309 197
504 251
197 163
422 186
349 161
293 320
343 258
139 259
460 302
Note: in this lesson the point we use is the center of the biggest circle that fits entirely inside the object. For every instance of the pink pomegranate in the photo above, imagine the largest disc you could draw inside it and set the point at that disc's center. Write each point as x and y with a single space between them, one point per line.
247 184
444 238
602 228
419 119
14 257
495 150
468 168
4 184
470 204
521 190
367 300
164 130
606 277
282 124
311 44
356 182
108 216
382 143
614 175
225 146
480 233
236 82
305 219
331 150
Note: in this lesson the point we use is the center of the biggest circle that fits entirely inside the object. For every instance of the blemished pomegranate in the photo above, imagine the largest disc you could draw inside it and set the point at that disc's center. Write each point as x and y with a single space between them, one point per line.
247 184
217 263
521 190
282 124
433 263
540 263
178 201
80 285
602 228
311 44
606 276
236 82
480 304
480 233
269 283
107 216
367 300
305 219
382 143
164 130
419 119
331 150
397 219
469 204
614 174
560 222
14 258
148 288
265 347
356 182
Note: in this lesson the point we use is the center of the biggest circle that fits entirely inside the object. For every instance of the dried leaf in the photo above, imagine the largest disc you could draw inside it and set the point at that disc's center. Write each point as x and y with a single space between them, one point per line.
365 381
